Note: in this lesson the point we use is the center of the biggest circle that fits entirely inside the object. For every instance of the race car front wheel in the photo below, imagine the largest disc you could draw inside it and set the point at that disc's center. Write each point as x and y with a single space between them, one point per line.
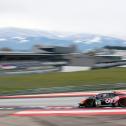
115 104
122 102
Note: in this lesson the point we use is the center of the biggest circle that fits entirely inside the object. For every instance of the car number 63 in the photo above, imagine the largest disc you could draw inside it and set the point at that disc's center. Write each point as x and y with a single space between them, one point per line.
109 100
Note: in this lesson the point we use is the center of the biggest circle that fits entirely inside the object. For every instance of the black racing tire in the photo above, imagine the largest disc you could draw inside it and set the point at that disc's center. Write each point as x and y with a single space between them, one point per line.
122 102
115 104
81 105
89 103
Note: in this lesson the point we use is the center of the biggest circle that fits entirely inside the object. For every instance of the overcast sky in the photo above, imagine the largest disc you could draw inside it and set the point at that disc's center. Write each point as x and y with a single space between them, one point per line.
107 17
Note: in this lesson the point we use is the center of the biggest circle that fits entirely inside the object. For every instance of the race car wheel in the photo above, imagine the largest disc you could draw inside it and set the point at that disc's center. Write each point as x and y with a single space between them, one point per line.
115 104
81 105
90 103
122 102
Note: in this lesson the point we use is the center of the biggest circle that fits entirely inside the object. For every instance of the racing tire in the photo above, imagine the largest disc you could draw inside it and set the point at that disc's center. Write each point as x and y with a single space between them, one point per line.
81 106
122 102
90 103
115 104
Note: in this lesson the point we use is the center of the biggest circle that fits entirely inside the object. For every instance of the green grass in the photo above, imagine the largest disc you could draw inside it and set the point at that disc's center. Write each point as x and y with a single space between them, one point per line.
21 82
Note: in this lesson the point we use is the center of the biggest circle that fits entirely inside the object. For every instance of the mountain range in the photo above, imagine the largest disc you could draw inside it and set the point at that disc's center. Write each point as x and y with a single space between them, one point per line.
24 39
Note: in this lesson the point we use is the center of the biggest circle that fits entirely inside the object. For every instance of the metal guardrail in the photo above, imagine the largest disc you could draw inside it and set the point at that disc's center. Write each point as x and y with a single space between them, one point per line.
92 87
107 65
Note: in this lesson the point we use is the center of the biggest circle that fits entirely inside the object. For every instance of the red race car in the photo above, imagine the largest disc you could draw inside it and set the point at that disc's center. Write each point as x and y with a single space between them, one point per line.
114 99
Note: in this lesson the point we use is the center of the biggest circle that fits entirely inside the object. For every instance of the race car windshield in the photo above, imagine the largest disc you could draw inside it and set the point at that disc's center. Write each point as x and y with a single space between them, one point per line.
102 95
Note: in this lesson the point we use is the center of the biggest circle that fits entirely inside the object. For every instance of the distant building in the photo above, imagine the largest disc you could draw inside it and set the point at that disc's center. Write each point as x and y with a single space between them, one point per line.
54 49
113 51
102 58
65 58
40 55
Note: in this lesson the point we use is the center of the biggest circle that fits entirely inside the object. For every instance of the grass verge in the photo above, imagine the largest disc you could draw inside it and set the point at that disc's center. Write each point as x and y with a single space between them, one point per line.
95 77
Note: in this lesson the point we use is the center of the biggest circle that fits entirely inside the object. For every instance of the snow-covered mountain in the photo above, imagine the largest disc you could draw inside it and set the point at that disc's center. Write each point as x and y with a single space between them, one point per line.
25 39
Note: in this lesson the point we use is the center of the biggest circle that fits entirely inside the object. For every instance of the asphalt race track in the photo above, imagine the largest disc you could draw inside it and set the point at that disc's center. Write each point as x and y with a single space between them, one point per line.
57 112
61 101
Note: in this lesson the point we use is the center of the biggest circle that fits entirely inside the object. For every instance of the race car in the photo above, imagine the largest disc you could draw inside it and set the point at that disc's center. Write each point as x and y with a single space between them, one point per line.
113 99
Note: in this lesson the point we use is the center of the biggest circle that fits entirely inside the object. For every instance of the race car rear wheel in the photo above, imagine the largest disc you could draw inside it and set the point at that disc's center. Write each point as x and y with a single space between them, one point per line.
90 103
81 105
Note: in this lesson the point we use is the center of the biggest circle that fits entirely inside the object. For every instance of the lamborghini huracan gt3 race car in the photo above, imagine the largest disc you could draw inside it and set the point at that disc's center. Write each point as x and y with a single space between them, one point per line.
114 99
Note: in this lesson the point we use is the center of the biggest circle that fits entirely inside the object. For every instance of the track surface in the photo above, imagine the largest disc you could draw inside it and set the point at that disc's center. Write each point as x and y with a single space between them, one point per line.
61 101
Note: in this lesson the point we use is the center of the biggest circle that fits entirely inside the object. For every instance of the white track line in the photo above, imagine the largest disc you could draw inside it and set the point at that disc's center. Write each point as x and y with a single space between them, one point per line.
60 94
67 112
